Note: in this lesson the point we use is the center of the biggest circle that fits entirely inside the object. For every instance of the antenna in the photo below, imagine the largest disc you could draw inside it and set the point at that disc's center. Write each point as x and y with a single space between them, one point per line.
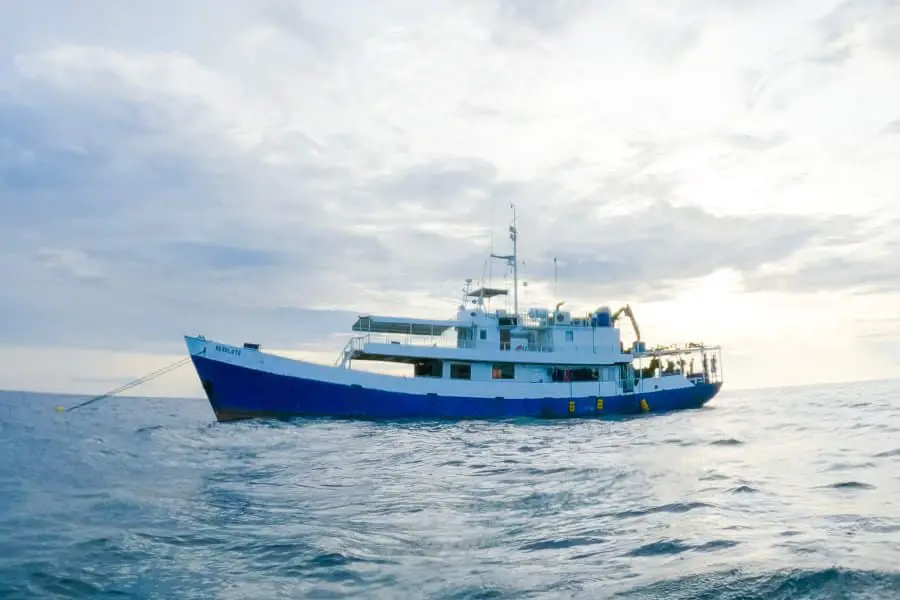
555 278
490 265
513 260
513 237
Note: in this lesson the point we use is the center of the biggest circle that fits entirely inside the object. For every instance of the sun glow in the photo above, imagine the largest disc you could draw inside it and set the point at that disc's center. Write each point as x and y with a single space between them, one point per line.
710 308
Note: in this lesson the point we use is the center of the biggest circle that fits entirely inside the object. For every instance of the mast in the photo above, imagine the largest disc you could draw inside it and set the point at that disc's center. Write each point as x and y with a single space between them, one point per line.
513 261
515 258
555 278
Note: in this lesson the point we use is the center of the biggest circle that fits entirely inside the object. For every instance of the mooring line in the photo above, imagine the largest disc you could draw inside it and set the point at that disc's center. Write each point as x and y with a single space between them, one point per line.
127 386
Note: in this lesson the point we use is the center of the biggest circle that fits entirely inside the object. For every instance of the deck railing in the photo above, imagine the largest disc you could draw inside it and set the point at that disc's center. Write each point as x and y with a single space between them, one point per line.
712 372
358 343
709 368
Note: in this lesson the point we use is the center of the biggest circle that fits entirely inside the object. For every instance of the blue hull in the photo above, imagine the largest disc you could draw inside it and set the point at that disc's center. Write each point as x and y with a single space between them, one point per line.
236 392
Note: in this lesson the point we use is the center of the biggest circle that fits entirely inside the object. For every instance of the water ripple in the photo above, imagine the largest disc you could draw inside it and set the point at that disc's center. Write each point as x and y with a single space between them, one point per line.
149 498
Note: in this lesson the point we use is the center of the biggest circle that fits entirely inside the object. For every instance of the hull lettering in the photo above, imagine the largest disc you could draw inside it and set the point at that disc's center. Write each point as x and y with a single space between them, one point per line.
227 350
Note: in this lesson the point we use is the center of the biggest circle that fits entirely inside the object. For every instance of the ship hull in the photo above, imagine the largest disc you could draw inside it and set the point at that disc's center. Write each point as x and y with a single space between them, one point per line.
242 391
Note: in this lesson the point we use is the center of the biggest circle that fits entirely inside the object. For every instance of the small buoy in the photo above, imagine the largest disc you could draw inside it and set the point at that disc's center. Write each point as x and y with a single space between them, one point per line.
60 409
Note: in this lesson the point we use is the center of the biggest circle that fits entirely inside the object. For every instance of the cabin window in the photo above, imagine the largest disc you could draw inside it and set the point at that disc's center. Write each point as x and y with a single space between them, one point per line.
504 371
483 334
584 374
429 368
460 371
575 374
570 335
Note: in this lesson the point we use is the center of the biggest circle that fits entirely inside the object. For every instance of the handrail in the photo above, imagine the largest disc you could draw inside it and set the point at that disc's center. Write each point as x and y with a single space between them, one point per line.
358 344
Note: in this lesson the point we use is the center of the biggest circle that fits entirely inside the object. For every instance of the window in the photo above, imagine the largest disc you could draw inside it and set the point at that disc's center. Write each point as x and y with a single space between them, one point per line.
460 371
504 371
584 374
429 368
483 334
570 335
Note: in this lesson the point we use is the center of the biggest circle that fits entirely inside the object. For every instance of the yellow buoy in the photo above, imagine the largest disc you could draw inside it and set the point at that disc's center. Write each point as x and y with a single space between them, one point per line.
572 406
60 409
599 403
644 405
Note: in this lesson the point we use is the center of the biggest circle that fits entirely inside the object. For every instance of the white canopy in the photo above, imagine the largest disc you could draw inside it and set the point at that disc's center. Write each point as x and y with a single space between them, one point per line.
401 325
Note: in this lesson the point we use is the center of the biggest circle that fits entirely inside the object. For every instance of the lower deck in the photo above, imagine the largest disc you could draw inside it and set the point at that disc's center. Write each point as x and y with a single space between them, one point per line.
498 370
625 377
484 371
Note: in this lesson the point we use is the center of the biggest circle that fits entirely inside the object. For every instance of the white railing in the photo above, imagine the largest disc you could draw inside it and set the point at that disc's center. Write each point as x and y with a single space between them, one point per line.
359 343
708 368
574 321
402 340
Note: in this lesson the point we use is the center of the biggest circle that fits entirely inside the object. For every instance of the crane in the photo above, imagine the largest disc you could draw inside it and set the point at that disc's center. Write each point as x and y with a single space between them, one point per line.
627 310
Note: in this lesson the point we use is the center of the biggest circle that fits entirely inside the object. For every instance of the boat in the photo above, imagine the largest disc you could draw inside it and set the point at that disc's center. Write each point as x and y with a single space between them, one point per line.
484 363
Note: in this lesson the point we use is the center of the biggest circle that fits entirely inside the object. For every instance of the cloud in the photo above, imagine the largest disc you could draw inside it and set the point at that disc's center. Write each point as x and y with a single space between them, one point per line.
873 270
201 255
549 17
755 143
179 221
437 184
855 25
266 170
647 253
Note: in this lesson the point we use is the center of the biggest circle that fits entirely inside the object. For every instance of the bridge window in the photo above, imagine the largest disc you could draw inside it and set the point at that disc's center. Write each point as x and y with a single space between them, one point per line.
460 371
504 371
483 334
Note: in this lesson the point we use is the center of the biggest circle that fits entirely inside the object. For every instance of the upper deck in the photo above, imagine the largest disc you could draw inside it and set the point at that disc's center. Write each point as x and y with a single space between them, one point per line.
537 346
537 337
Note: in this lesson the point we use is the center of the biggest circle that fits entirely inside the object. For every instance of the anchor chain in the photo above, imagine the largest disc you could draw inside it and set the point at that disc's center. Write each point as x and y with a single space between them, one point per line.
128 386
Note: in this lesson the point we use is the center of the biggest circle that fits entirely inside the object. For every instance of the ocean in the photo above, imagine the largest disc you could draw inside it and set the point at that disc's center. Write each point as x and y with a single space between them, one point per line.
777 493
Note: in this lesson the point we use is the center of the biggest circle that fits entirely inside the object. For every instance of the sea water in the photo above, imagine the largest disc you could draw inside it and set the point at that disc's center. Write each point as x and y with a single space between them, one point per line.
779 493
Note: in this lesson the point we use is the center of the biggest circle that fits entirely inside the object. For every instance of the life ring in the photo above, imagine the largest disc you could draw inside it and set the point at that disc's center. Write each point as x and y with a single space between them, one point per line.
520 347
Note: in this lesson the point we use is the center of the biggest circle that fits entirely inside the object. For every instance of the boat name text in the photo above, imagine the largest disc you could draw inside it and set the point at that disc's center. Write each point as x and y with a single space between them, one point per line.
228 350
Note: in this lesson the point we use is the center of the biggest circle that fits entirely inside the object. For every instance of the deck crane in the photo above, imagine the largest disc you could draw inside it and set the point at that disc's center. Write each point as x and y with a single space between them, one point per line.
628 312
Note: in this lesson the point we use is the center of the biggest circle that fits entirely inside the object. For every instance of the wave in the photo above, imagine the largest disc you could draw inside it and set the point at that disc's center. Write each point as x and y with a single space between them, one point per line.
823 584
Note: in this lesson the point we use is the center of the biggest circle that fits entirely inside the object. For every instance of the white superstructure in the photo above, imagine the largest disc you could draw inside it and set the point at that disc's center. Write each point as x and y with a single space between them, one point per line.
539 346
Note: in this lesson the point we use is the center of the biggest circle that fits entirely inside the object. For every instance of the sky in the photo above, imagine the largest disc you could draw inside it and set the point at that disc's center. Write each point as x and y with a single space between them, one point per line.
266 170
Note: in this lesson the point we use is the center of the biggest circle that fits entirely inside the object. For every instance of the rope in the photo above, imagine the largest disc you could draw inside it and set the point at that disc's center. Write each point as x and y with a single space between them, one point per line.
127 386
